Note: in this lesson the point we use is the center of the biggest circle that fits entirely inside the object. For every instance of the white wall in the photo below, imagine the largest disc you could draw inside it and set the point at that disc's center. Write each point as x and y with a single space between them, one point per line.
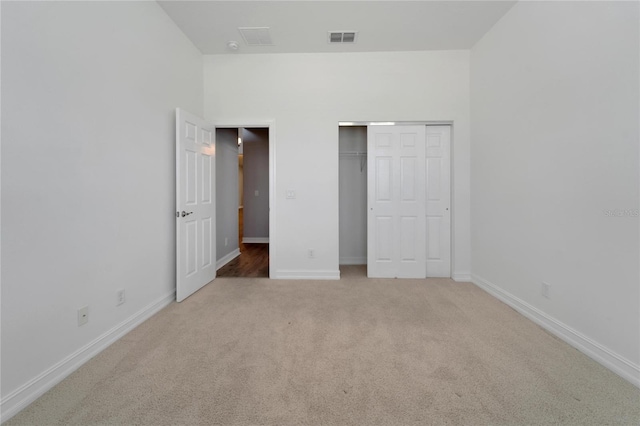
226 193
353 195
255 146
307 95
88 194
240 182
554 89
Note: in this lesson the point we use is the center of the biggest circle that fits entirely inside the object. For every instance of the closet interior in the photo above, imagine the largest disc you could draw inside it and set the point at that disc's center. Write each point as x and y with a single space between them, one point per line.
353 194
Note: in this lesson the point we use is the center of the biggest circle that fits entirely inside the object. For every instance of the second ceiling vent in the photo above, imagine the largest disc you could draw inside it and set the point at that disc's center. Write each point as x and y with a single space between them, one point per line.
256 36
342 36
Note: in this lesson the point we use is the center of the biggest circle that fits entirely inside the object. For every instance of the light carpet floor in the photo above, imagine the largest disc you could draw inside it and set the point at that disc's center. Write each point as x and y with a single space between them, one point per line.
352 352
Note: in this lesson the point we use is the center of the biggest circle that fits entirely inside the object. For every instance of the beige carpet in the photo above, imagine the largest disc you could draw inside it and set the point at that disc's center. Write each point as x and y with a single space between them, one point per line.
351 352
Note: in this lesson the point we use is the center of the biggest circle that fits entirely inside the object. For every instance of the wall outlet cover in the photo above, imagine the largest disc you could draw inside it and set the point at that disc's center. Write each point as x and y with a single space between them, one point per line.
120 299
545 289
83 316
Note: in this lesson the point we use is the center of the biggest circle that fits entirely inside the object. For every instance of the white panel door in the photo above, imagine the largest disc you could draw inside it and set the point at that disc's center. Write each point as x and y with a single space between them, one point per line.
195 204
438 201
396 237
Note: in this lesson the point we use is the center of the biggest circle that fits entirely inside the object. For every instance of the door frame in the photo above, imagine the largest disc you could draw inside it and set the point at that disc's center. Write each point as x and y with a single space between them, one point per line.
451 167
271 125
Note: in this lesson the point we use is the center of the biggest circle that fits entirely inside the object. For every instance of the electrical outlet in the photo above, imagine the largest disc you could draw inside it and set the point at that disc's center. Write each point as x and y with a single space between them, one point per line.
83 316
545 289
312 253
226 242
256 193
120 297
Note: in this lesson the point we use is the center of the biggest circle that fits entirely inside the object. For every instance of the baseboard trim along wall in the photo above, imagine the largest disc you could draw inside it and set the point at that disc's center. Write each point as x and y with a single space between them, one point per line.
228 258
461 277
608 358
32 390
255 240
353 260
299 274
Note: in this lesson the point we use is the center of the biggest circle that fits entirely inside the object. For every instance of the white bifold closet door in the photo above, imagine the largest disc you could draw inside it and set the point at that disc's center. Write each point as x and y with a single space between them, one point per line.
396 205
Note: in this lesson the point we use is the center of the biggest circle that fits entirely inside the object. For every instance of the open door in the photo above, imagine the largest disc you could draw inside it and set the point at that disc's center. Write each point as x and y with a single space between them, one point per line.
195 204
396 234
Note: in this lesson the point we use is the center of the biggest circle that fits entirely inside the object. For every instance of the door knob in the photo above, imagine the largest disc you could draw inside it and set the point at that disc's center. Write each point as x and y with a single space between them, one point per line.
186 213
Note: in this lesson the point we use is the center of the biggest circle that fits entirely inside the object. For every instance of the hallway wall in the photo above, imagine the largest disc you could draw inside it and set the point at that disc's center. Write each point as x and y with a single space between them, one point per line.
256 178
226 192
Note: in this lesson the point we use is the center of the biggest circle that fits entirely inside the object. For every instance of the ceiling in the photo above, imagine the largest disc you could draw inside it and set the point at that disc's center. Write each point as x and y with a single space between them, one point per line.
302 26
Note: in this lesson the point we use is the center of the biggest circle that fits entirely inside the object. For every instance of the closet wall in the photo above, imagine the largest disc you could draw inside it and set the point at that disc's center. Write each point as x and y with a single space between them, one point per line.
353 195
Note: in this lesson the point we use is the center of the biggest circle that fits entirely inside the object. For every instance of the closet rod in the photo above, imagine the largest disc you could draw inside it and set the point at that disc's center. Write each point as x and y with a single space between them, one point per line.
362 155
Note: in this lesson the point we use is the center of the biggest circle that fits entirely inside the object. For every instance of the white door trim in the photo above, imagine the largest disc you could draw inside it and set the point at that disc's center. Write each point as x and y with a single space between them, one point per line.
271 124
397 123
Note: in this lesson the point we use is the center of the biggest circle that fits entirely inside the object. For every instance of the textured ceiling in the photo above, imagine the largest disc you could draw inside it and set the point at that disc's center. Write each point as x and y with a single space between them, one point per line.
301 26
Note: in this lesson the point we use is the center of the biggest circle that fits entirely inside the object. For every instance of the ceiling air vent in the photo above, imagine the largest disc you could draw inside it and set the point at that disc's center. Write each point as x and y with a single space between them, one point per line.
256 36
342 36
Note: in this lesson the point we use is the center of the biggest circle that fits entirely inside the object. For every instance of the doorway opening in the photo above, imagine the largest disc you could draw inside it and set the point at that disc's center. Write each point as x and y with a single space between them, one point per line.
352 149
243 186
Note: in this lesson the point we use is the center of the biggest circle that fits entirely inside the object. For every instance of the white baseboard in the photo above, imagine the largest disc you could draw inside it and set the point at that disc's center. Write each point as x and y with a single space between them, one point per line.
353 260
299 274
228 258
256 240
461 277
32 390
603 355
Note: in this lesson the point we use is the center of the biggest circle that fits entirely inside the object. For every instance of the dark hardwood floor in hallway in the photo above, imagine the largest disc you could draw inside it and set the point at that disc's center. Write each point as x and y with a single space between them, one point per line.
253 260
